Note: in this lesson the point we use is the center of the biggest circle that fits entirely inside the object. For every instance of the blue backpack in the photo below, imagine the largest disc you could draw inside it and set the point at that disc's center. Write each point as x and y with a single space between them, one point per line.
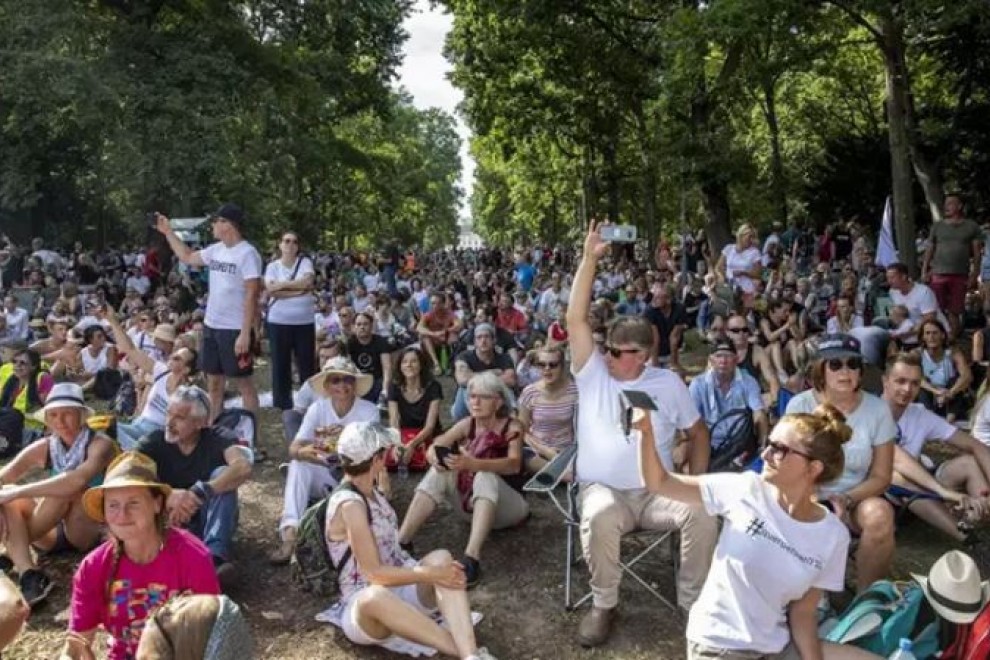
877 619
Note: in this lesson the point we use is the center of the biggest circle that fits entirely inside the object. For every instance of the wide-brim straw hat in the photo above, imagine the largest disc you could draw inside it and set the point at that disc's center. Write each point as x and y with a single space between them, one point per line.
128 470
64 395
164 332
954 588
341 366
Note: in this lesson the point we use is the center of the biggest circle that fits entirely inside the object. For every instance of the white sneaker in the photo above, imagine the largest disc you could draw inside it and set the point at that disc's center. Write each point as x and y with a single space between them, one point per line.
481 654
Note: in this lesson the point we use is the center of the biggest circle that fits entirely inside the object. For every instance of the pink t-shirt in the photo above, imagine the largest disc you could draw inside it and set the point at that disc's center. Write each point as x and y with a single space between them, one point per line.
183 565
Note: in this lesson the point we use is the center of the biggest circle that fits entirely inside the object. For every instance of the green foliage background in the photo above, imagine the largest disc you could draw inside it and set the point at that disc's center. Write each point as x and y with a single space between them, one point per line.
111 108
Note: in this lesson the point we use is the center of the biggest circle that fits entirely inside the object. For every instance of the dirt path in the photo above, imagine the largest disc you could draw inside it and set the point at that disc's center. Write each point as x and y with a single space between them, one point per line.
520 594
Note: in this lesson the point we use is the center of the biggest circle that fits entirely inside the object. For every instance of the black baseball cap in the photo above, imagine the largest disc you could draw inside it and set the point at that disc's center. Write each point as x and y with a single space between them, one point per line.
838 346
230 212
723 344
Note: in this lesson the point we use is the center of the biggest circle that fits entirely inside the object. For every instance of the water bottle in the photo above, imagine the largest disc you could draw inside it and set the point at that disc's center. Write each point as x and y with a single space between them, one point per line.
403 470
904 651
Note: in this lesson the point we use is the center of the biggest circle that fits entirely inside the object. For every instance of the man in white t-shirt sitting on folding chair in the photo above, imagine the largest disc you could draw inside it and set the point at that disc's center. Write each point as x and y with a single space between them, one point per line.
613 499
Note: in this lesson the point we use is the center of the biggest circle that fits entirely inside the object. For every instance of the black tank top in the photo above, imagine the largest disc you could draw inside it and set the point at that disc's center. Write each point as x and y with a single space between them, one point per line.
746 364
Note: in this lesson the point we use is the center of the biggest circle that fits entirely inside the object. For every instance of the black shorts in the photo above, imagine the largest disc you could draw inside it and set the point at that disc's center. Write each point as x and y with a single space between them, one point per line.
216 355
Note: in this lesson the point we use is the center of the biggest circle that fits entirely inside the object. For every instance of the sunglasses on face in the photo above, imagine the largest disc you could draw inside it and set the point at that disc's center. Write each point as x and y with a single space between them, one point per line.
619 352
346 380
289 240
852 363
546 365
779 451
737 331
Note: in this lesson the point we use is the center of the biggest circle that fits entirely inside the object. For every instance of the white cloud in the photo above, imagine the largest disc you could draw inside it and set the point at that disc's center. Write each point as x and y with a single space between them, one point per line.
424 74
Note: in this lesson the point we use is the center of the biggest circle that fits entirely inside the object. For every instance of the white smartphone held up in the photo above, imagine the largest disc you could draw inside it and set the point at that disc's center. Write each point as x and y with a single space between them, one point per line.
619 233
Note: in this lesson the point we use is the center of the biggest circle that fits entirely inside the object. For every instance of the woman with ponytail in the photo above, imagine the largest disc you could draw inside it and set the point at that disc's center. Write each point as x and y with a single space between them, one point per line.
779 548
139 568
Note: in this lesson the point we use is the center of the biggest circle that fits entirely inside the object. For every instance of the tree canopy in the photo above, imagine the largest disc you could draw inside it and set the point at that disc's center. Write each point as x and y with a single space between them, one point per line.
112 108
676 113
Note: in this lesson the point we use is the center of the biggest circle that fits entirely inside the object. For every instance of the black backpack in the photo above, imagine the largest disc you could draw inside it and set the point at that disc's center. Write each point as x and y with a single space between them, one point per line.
312 567
739 446
125 401
11 431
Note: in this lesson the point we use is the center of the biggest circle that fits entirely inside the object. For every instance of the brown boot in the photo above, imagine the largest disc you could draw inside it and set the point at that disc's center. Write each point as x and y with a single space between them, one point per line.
283 554
595 626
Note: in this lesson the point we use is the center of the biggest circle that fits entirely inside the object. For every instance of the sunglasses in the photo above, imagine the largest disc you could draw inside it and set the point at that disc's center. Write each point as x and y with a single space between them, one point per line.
737 331
852 363
619 352
289 240
337 380
779 451
546 365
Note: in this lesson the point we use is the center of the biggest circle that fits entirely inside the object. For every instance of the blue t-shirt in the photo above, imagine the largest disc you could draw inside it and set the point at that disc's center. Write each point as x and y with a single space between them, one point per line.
525 274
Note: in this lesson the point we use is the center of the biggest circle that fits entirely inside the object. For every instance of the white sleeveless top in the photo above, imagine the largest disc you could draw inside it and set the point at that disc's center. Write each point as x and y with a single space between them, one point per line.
93 364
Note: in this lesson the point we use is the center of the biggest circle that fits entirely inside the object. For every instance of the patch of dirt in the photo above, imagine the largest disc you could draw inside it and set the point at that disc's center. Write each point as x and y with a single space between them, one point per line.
520 595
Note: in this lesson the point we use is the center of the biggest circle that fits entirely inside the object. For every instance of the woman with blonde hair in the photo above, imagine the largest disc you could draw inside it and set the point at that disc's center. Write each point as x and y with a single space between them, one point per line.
142 565
547 409
779 548
741 264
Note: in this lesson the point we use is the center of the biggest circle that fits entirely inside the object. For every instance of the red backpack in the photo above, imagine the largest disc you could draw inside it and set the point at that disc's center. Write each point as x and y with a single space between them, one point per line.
972 641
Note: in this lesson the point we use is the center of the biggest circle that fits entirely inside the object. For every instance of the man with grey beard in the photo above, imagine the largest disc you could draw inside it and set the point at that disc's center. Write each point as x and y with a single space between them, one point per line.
204 465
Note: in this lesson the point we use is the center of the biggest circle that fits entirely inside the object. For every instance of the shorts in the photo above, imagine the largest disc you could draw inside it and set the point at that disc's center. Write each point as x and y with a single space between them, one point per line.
217 357
950 290
696 651
349 623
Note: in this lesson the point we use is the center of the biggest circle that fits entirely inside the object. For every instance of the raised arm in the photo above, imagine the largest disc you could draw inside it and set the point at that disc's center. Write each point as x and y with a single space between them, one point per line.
183 252
136 357
581 342
655 477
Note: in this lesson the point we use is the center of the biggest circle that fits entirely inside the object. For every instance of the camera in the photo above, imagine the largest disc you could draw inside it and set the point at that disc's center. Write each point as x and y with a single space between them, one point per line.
151 219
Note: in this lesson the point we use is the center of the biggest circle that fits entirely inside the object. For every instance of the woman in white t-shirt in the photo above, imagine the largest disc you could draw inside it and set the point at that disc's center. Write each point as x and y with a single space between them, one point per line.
165 377
741 264
779 548
857 496
290 318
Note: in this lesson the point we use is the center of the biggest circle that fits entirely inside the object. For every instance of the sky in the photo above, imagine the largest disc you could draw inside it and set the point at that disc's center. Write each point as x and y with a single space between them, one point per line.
424 74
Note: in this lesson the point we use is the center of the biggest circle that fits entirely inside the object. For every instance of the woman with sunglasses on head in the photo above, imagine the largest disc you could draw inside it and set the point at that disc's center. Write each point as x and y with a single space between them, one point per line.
778 549
946 373
290 318
142 564
166 376
547 408
857 496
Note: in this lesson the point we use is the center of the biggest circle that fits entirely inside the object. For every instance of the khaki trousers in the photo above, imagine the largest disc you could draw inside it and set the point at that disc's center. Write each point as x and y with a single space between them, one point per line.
607 514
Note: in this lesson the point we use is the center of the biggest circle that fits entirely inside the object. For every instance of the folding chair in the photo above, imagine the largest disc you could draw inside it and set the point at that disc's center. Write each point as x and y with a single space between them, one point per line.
546 481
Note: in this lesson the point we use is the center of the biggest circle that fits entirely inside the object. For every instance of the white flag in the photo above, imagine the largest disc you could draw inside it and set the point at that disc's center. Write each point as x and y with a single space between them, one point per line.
886 245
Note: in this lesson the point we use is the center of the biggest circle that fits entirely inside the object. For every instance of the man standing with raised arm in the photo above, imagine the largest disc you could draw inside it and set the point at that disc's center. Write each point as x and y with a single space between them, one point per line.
231 305
613 499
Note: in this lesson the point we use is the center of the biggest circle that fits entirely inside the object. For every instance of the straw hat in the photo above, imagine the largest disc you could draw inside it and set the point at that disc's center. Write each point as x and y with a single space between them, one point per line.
341 366
164 332
954 588
64 395
129 469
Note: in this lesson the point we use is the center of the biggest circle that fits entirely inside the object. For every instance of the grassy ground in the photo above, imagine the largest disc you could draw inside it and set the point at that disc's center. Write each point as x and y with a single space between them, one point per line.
520 595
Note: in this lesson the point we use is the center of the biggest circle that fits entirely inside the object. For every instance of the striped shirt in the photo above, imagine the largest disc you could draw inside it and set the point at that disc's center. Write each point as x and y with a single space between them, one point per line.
552 421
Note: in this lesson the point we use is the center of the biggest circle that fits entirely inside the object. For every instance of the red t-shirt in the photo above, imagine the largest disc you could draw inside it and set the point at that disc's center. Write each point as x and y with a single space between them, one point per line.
437 322
511 320
183 565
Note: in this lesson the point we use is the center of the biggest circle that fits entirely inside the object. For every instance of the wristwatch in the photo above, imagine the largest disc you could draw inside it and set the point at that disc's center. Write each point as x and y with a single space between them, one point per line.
202 490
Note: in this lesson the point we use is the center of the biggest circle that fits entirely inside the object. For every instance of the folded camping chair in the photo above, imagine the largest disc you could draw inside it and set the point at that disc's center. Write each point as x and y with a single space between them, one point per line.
245 426
546 481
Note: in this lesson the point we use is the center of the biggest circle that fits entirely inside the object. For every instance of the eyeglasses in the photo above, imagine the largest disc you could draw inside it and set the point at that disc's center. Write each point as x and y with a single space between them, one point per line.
852 363
546 365
619 352
337 380
737 331
779 451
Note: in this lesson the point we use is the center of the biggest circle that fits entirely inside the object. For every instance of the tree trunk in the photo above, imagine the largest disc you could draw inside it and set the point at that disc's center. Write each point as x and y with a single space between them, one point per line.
778 186
715 200
612 178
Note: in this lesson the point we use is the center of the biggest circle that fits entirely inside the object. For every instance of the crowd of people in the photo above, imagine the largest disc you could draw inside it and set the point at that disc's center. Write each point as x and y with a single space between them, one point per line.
827 377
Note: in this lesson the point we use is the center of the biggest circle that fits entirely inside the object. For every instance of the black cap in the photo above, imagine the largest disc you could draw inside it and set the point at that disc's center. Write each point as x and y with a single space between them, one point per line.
231 212
723 344
838 346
